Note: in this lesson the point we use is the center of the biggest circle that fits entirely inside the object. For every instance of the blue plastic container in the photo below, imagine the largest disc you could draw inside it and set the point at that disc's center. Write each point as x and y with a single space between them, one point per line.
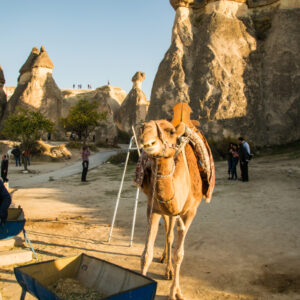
115 282
14 225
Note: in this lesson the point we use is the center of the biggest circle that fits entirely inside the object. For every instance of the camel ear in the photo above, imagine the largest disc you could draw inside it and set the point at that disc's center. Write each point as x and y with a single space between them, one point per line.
180 129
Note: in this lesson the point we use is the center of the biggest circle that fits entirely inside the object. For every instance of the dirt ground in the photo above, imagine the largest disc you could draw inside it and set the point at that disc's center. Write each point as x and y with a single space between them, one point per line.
245 244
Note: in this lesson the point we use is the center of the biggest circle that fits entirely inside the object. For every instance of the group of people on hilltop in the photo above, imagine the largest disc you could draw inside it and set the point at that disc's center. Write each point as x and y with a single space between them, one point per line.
238 153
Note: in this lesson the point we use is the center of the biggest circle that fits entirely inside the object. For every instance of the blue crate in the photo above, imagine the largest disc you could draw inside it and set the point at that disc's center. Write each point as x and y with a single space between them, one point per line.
116 282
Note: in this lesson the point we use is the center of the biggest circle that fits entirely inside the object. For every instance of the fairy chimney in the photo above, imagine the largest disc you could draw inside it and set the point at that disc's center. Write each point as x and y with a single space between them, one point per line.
135 106
37 89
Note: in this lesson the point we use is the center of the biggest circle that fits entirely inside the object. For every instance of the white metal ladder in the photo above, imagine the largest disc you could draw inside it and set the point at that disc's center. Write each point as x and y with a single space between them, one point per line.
131 147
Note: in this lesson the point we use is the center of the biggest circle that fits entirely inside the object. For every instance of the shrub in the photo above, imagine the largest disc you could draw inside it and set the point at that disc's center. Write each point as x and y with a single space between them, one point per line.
121 157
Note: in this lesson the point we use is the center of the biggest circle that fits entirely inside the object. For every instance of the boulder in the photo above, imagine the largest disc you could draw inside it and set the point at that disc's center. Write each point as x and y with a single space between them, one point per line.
135 106
237 64
54 151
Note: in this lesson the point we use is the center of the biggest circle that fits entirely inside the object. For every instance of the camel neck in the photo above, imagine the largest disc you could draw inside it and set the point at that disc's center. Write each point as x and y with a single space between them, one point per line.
165 166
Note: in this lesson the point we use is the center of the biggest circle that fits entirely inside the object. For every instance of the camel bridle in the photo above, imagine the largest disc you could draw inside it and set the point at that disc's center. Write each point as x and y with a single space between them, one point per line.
178 147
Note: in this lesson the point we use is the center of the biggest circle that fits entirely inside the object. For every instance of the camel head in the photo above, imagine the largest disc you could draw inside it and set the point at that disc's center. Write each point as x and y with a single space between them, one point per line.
159 138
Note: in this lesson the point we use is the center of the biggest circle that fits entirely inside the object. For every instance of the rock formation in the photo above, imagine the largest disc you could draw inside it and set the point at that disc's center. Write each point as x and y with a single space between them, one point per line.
36 88
237 64
9 90
3 99
135 106
109 99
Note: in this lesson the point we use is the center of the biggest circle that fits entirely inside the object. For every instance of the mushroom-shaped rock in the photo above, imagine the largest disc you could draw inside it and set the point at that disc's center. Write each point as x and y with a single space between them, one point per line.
43 60
37 89
30 61
135 106
181 3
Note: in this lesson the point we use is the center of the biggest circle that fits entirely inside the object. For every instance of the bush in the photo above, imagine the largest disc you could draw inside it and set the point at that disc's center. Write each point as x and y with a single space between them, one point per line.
123 137
121 157
74 145
79 145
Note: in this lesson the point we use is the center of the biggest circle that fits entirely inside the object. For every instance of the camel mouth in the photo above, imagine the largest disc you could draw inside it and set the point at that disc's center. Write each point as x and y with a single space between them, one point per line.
150 144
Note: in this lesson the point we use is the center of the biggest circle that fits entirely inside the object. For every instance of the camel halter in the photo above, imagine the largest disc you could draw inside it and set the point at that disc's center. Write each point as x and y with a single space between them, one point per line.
166 145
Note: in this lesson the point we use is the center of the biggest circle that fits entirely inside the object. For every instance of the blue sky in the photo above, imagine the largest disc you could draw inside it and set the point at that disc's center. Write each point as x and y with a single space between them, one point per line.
89 41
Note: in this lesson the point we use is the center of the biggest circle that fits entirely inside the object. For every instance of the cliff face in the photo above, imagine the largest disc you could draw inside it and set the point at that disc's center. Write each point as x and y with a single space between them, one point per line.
237 65
108 99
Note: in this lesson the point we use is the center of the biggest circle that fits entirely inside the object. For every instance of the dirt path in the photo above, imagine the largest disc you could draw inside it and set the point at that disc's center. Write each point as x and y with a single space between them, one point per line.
94 161
244 245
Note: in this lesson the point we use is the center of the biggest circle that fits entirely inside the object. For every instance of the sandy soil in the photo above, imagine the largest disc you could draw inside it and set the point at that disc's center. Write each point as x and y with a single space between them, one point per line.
244 245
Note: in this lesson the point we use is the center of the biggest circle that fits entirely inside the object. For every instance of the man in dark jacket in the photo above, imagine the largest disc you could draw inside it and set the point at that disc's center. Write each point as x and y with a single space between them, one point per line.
4 168
5 201
244 155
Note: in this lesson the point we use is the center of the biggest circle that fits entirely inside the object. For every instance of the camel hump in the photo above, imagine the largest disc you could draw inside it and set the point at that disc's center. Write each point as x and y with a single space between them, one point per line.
181 113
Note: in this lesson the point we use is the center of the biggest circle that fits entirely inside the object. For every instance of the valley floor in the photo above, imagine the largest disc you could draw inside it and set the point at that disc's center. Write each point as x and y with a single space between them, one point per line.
245 244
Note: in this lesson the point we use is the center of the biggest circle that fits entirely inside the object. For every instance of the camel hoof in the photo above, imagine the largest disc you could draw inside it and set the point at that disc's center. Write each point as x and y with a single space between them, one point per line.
169 275
163 259
179 297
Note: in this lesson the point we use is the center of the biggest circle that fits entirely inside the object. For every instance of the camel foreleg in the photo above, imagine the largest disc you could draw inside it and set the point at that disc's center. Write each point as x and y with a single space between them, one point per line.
183 225
164 258
169 242
147 255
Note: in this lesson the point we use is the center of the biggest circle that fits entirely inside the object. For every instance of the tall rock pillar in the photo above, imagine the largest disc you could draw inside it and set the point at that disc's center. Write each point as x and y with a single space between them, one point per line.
3 99
135 106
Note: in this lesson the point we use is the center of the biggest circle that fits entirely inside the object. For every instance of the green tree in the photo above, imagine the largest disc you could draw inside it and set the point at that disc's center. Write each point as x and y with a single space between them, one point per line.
83 118
27 127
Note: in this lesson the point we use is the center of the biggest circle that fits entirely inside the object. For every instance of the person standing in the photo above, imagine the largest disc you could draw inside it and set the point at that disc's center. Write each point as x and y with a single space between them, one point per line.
244 154
85 162
27 156
229 161
4 168
235 160
5 201
17 154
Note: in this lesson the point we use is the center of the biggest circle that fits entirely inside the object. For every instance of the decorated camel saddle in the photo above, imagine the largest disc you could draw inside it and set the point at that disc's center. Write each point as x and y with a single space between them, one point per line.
193 136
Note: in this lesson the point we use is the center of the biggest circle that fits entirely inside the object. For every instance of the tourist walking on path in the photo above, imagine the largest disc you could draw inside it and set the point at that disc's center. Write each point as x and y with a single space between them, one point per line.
244 155
4 168
27 156
5 201
85 162
235 160
17 154
229 161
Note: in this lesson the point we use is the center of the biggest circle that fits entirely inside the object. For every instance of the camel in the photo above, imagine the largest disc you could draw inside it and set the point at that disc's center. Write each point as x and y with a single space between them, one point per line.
174 191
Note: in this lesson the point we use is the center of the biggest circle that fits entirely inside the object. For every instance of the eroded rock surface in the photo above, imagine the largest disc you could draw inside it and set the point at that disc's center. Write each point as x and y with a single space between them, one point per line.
37 89
108 98
237 64
3 98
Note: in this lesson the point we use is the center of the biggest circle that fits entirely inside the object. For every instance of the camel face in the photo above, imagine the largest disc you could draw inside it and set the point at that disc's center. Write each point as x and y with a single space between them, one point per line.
159 138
